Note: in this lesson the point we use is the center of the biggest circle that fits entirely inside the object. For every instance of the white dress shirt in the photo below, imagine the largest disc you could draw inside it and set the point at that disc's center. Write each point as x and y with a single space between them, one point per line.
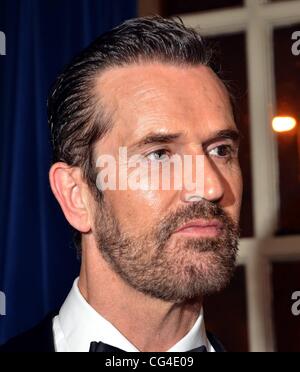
78 324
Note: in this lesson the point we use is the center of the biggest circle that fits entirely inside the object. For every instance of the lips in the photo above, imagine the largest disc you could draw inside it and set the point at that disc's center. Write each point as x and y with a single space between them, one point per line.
201 224
201 228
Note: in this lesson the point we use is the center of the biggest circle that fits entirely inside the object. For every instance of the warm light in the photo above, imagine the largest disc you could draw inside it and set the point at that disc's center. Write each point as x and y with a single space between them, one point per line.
284 124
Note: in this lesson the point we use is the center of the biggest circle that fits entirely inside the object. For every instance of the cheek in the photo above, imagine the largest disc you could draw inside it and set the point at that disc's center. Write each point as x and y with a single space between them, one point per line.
138 208
233 189
239 187
234 192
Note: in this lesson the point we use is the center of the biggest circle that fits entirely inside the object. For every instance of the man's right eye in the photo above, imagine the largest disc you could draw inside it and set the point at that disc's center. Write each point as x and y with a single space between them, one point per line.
158 155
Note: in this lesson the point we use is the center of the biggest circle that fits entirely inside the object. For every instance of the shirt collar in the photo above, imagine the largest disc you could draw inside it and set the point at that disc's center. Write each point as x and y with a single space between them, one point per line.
78 324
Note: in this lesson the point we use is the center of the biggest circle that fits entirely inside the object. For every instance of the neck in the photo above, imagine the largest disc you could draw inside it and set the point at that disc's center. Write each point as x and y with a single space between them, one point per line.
150 324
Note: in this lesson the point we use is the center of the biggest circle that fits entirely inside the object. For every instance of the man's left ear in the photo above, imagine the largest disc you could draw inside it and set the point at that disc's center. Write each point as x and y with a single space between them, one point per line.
72 194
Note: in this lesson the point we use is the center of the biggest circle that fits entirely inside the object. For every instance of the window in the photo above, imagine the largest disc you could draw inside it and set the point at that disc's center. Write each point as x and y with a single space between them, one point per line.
287 78
174 7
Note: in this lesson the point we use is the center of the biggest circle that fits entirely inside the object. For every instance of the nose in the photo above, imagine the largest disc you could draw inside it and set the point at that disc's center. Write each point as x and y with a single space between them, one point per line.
210 186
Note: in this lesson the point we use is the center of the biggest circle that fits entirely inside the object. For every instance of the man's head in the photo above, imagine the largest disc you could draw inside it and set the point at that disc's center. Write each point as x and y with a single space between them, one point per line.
149 86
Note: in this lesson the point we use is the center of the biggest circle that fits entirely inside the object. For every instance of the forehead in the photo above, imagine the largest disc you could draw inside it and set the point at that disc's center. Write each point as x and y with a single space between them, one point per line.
157 96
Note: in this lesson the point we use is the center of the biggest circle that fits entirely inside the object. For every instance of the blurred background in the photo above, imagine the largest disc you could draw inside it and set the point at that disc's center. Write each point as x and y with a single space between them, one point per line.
255 42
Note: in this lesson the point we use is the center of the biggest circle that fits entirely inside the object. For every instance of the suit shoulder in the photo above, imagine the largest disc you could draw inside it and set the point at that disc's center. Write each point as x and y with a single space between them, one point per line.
216 344
38 339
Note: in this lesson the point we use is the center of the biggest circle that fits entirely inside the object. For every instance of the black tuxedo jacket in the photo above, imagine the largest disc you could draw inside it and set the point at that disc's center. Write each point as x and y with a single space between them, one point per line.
40 339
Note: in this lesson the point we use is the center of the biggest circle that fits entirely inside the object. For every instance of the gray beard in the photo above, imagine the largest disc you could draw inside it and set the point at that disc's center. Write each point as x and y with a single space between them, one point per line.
180 272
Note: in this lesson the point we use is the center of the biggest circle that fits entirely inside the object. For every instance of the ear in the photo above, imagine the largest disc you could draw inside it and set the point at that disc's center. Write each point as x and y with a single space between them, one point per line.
72 194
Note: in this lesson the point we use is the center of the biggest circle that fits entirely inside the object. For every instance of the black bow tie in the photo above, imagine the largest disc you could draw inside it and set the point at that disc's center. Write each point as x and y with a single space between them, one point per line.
100 347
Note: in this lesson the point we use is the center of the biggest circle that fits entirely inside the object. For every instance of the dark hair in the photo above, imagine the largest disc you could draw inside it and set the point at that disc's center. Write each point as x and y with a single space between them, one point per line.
76 115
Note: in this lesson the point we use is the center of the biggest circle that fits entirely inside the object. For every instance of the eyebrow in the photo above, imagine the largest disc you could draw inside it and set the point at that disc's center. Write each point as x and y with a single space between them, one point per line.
159 138
231 134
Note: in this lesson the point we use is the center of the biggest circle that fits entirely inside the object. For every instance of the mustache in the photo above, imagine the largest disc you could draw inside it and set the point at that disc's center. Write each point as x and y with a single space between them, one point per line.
200 210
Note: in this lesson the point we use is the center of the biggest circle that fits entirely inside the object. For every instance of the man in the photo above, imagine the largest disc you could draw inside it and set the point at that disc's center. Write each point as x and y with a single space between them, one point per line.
149 254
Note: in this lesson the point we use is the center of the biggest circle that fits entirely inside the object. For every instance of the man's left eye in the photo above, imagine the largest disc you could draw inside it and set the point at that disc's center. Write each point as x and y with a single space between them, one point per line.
222 151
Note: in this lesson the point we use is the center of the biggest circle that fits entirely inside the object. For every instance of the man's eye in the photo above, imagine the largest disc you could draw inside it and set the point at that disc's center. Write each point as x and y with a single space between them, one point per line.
158 155
222 151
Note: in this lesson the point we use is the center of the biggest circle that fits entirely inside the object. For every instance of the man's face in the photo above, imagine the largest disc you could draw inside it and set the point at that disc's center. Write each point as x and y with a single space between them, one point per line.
160 110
